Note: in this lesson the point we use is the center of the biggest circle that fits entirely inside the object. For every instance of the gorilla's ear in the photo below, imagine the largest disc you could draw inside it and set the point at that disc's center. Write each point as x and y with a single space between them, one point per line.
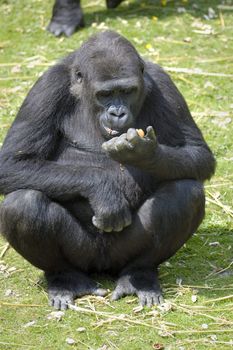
142 65
76 83
78 76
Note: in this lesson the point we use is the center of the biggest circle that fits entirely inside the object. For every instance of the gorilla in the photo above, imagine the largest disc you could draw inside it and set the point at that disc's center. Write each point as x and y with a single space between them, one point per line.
68 16
84 191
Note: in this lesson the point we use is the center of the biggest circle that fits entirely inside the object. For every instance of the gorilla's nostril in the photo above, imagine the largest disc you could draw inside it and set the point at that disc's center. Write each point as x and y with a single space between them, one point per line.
113 114
116 114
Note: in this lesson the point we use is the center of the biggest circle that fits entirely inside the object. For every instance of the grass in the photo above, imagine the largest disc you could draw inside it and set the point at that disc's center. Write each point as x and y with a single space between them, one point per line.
203 268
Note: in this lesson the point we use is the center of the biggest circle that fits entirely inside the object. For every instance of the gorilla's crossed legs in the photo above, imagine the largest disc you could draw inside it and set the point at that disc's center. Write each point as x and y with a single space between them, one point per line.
51 238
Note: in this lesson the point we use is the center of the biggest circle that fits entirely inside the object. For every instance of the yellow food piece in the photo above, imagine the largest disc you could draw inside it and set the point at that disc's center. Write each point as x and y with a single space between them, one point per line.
140 132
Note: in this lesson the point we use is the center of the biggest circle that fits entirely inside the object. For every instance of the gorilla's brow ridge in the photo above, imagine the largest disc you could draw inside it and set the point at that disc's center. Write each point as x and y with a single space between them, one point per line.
124 83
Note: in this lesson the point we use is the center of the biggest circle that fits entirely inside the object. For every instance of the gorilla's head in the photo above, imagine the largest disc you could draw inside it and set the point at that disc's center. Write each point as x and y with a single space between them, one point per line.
107 75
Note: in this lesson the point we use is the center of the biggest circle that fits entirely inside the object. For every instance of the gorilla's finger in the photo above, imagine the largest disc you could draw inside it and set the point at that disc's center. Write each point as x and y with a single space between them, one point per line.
94 221
118 228
97 223
69 30
55 28
160 299
121 145
112 141
101 292
117 294
142 299
101 225
150 134
128 221
64 304
132 136
107 229
110 145
57 303
106 146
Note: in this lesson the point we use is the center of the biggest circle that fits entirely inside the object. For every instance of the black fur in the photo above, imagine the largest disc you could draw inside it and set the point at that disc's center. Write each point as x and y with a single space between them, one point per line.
67 16
73 168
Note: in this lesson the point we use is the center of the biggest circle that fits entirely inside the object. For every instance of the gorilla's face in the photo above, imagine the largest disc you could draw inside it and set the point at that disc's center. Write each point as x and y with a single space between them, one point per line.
112 83
114 102
117 100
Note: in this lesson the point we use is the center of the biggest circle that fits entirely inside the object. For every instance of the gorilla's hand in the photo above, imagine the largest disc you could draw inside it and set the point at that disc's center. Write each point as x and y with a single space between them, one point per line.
132 149
111 209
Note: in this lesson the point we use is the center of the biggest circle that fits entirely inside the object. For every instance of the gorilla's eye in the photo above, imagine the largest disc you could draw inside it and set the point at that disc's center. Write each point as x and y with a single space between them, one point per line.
79 76
104 93
129 91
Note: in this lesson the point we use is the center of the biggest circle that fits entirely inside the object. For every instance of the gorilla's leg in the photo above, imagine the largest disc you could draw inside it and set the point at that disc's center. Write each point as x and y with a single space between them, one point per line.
67 17
45 234
111 4
162 225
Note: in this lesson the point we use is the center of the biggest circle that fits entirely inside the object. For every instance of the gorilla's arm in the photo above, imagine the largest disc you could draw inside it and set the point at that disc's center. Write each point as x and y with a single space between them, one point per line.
164 162
27 153
177 149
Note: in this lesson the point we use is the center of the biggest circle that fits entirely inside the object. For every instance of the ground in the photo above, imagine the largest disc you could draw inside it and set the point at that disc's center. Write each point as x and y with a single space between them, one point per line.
198 281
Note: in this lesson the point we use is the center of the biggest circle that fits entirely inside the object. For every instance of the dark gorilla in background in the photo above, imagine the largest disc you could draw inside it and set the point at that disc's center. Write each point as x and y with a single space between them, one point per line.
84 192
67 16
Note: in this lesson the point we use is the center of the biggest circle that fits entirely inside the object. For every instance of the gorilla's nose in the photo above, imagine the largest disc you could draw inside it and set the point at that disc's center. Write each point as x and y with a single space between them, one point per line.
117 112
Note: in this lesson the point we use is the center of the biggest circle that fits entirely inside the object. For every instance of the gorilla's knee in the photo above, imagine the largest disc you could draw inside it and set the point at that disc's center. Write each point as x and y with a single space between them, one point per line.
196 191
18 211
196 199
21 198
19 201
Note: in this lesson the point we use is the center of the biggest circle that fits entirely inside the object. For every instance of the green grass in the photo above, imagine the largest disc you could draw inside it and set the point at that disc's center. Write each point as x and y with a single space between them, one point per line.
158 33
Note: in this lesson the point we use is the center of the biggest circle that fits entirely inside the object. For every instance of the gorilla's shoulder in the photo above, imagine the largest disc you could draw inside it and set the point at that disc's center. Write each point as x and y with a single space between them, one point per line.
154 70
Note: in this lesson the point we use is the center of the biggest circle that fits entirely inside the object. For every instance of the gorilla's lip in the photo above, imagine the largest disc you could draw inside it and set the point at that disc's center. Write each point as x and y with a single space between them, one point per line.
111 131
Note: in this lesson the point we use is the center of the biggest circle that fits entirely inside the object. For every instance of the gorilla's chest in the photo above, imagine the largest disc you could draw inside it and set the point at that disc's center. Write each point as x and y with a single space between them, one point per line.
134 183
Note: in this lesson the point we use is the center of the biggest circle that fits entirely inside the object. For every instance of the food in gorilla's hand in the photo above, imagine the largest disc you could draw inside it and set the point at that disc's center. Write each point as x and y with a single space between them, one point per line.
140 132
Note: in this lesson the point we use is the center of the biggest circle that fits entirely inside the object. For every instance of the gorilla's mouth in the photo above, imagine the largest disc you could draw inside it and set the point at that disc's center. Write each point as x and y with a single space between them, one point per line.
111 132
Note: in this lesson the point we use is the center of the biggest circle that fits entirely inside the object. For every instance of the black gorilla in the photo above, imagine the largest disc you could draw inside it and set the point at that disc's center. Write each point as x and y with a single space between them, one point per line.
68 16
84 192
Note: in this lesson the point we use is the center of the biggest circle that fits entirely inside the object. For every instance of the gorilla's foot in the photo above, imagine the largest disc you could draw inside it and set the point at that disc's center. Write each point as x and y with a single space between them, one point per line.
64 287
144 284
66 20
111 4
